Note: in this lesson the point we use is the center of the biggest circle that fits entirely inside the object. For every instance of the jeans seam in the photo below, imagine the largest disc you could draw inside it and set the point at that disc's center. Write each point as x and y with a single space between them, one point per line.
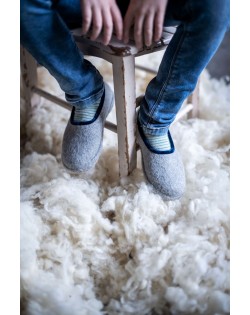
169 74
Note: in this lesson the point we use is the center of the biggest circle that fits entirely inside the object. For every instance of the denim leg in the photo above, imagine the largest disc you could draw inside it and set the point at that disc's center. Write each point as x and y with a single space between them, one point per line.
203 24
45 34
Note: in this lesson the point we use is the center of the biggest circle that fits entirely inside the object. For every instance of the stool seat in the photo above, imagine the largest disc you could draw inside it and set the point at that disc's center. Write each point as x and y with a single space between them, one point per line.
118 48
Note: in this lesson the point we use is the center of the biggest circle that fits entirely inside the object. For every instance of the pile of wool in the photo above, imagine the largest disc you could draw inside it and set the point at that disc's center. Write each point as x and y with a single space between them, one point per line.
95 244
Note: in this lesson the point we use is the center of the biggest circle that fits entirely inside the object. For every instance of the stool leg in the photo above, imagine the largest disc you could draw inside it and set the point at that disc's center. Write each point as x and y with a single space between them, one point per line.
125 100
29 79
194 99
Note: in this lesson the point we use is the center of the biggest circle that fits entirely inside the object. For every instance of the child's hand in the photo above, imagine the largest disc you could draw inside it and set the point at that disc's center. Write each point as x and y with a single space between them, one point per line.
147 17
102 15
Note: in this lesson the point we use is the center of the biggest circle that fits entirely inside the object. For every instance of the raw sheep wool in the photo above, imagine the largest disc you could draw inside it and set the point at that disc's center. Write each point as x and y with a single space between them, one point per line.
94 244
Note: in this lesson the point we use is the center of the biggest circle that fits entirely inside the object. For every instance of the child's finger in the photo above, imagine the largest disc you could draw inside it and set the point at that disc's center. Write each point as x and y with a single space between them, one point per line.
117 21
138 33
86 18
107 26
158 26
97 23
148 29
127 26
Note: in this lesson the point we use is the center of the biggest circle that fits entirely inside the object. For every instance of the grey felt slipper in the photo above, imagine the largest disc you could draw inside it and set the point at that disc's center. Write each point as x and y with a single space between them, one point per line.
82 141
164 170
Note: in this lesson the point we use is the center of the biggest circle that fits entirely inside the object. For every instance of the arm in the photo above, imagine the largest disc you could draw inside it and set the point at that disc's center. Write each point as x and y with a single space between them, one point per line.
147 17
102 15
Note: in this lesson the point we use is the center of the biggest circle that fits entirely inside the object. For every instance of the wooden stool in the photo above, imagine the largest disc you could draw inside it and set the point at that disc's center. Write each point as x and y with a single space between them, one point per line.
122 58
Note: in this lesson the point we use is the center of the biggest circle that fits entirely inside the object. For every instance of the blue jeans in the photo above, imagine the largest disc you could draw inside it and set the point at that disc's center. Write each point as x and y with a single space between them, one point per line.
202 24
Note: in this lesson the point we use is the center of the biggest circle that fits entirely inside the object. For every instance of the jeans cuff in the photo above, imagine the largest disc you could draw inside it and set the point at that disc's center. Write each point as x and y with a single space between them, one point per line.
155 131
93 99
150 129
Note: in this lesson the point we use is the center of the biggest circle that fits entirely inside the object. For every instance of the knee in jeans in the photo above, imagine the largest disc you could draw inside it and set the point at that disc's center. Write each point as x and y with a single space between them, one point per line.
214 14
33 7
29 11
